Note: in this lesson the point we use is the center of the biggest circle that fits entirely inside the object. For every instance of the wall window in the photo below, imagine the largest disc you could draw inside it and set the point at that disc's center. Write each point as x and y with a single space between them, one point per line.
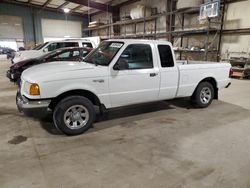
138 56
166 56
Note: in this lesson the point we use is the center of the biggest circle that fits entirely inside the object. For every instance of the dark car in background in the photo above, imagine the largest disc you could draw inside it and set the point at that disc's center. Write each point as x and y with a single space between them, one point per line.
62 54
7 51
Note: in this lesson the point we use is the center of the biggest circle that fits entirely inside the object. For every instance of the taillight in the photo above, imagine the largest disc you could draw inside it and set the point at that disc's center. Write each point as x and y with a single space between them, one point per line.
231 72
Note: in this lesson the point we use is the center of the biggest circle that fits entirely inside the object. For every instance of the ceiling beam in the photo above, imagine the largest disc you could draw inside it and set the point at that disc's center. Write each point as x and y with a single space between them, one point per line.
117 7
62 5
39 7
46 3
127 3
95 5
76 8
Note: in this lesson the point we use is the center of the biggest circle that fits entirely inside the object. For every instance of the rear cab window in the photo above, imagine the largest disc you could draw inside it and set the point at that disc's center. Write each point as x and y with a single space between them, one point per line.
166 56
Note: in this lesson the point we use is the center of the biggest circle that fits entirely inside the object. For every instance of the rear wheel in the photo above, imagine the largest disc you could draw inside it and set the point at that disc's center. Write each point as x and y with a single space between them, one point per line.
74 115
203 95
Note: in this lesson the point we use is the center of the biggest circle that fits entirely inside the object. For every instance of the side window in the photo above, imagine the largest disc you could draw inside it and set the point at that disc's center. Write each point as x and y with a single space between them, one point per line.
85 52
52 47
166 56
57 45
138 56
63 55
87 44
75 53
71 44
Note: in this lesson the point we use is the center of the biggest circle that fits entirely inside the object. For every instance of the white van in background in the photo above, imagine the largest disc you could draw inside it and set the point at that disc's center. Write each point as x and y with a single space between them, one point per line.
51 46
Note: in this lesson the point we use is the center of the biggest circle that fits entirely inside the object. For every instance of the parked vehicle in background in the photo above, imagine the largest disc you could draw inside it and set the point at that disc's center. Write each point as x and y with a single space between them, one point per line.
118 73
51 46
7 51
62 54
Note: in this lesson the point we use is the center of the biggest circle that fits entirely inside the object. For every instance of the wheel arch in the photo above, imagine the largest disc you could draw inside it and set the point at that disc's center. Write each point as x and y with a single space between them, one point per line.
213 82
80 92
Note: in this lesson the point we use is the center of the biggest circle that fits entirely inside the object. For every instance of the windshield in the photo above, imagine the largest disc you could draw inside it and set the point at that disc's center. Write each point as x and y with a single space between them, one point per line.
40 46
104 54
50 54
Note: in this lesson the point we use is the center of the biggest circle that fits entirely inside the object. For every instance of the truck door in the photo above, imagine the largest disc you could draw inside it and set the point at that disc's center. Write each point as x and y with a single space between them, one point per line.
134 78
169 72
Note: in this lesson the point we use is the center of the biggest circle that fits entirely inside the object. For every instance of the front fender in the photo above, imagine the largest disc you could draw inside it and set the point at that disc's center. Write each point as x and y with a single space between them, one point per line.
53 89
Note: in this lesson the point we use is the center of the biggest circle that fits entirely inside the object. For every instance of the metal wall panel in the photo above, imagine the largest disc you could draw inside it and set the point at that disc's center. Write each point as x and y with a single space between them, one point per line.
61 28
11 27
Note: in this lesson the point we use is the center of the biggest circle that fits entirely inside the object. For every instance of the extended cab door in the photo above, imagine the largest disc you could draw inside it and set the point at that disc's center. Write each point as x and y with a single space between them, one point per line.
135 77
169 72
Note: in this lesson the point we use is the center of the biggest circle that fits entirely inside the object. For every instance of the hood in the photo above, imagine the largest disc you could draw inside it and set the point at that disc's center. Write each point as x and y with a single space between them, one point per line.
20 64
55 71
24 55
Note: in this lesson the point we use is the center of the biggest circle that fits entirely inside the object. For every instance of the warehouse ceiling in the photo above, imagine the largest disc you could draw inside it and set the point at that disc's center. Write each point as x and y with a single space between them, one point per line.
80 7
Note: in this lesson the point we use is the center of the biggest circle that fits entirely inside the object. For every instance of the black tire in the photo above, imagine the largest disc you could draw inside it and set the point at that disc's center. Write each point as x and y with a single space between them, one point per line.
77 103
199 99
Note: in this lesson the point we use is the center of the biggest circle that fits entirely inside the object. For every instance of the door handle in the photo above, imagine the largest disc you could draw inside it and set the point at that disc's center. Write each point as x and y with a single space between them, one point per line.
153 74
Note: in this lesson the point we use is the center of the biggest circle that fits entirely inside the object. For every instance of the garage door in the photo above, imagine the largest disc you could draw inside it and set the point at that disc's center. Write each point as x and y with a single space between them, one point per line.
61 28
11 27
11 31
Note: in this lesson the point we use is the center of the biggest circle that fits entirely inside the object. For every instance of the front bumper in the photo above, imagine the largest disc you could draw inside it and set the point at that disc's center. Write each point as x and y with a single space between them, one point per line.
34 108
13 77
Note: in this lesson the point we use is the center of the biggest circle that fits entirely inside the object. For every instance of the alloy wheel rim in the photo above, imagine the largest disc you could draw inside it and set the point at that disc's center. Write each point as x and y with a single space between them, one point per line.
205 95
76 117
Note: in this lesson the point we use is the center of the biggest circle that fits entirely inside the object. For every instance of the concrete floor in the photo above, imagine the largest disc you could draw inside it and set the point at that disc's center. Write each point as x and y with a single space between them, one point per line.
164 144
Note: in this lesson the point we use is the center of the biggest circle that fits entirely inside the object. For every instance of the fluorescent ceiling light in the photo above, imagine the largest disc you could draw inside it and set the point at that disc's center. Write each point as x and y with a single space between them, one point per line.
66 10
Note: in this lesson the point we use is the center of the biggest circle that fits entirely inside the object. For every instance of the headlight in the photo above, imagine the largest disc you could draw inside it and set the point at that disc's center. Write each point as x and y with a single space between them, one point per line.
31 88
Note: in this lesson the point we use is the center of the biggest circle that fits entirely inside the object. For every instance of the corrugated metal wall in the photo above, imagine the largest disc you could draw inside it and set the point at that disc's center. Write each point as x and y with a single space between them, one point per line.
26 14
237 17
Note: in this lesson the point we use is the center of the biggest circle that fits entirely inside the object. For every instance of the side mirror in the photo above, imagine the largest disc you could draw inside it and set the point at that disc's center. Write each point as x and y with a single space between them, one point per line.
121 65
45 50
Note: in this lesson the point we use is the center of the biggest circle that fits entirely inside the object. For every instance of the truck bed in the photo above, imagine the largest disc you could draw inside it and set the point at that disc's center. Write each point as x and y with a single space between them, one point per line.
192 72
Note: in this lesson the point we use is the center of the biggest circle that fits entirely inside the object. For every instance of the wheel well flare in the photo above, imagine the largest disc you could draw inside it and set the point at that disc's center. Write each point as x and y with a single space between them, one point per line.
89 95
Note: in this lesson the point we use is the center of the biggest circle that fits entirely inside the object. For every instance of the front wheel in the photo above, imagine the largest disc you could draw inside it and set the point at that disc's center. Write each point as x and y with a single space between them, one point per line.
74 115
203 95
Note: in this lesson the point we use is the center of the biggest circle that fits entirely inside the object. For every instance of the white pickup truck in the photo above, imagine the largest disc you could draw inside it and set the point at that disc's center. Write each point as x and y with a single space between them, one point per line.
117 73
